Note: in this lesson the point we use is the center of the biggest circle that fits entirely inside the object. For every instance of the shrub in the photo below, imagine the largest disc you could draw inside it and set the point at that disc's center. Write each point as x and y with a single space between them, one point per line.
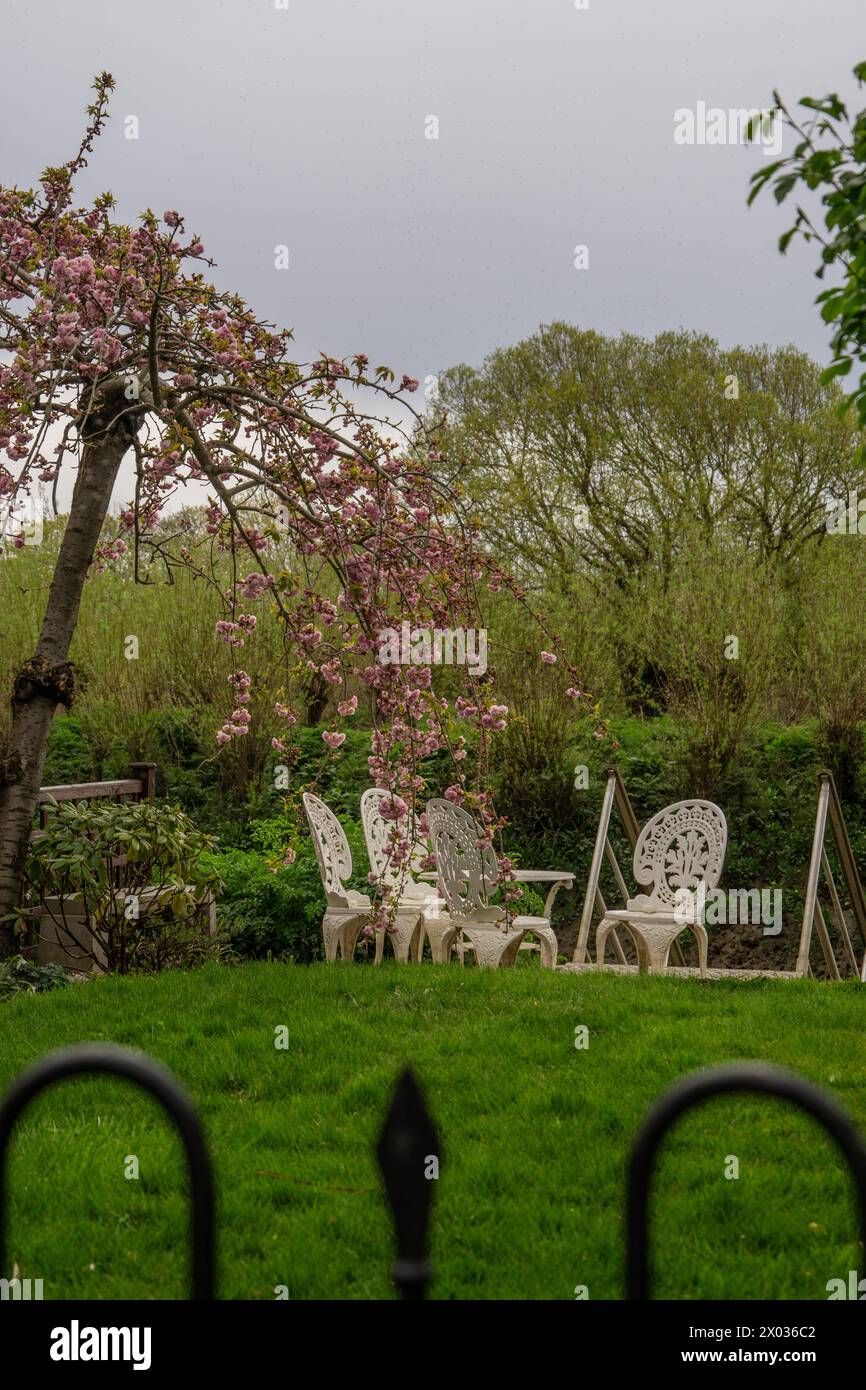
20 976
271 910
533 784
267 912
831 650
145 912
69 757
710 623
337 780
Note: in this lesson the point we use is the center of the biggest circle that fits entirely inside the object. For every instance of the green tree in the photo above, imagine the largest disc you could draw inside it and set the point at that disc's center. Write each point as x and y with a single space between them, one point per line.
829 159
714 627
596 456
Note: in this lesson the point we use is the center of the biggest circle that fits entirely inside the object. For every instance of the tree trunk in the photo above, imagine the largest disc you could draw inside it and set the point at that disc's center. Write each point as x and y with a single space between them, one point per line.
47 679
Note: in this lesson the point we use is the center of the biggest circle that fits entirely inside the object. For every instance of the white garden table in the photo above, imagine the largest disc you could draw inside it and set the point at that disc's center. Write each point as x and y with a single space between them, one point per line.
557 878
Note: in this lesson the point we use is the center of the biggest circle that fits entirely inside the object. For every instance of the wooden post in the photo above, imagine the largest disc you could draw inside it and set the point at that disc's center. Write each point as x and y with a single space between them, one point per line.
146 774
830 811
848 864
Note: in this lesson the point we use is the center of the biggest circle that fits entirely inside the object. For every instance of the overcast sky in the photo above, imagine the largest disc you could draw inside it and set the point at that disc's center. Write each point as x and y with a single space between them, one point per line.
308 126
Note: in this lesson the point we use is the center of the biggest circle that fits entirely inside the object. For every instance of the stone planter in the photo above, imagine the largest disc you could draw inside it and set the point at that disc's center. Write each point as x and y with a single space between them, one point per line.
55 945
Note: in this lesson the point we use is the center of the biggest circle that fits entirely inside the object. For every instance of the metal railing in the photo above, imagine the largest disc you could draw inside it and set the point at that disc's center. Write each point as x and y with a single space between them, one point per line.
103 1059
409 1152
701 1086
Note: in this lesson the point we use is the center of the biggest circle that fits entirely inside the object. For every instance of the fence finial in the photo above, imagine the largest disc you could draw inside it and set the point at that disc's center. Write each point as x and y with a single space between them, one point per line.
408 1154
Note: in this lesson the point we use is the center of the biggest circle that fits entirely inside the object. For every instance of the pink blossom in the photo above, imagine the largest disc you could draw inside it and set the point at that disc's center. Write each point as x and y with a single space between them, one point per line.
229 633
283 433
332 671
255 585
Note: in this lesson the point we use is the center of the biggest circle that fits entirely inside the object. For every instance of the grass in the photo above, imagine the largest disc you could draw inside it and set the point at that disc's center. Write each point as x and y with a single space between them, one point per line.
535 1133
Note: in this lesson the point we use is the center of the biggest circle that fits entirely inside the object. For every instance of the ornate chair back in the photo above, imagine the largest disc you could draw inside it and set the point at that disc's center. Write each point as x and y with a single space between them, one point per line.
467 874
680 848
377 834
332 850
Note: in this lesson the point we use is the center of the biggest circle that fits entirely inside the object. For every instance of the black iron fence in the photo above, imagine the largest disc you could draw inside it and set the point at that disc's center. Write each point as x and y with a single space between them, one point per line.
701 1086
409 1144
105 1060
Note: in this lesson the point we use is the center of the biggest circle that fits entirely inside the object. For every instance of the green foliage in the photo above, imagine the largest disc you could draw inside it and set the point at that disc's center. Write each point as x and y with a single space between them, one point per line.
710 622
831 654
592 458
270 910
656 498
95 858
70 757
337 780
531 776
20 976
830 159
79 841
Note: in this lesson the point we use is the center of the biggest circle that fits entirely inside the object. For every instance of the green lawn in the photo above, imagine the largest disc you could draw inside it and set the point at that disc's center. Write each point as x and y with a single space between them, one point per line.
535 1133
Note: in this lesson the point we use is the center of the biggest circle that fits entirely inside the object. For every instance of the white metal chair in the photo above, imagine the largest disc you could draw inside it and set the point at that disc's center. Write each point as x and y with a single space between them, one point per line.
468 875
402 881
680 849
346 910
